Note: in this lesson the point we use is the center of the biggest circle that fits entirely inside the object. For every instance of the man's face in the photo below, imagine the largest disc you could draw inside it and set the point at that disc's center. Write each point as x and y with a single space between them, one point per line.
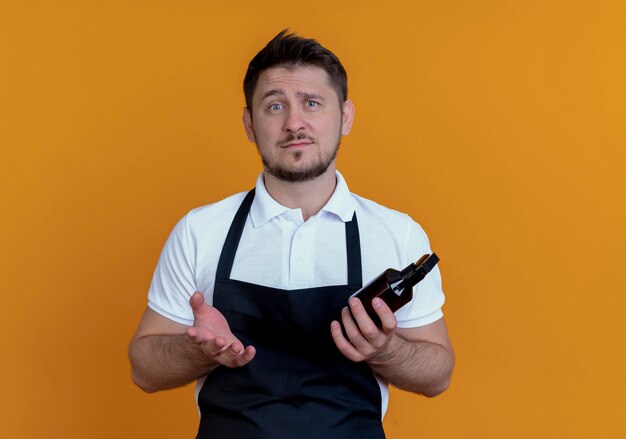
297 122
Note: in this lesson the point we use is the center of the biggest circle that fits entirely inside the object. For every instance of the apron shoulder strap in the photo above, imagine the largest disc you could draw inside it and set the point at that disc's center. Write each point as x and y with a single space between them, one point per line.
229 250
353 250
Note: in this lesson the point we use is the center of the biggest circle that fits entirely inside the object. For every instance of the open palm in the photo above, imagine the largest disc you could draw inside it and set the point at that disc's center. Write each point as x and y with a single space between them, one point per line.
211 331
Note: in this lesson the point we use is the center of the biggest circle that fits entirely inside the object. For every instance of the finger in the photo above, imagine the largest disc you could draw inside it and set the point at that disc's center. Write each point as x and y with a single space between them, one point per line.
366 326
192 333
235 349
245 357
356 338
352 329
338 337
231 357
387 317
210 344
199 334
344 346
215 347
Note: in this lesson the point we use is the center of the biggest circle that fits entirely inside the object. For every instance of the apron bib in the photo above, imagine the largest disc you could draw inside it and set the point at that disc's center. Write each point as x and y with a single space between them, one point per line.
298 384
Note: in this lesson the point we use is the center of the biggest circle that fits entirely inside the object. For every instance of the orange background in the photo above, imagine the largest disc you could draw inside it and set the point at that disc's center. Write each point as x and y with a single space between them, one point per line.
498 125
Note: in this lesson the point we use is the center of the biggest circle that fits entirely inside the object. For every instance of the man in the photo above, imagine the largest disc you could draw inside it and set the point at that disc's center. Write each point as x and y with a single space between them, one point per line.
249 291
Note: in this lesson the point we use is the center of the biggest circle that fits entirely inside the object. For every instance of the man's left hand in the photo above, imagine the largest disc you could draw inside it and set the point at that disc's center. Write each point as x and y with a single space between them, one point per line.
366 340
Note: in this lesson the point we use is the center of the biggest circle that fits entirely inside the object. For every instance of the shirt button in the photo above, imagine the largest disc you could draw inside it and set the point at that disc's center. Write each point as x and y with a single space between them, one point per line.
299 235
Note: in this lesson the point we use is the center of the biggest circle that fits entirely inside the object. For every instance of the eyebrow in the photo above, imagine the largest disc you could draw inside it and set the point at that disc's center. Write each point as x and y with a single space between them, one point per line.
310 96
281 92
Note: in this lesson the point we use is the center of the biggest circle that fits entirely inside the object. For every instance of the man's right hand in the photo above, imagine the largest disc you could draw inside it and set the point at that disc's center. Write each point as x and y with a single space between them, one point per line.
210 331
165 354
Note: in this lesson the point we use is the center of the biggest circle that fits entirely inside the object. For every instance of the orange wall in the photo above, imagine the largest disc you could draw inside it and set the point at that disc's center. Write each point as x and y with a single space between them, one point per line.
498 125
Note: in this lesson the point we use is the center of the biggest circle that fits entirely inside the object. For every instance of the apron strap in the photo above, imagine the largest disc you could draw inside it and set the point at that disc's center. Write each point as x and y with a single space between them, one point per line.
227 258
225 265
353 250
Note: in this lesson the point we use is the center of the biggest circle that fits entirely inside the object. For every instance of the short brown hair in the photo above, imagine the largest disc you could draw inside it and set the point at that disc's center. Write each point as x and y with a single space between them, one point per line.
290 50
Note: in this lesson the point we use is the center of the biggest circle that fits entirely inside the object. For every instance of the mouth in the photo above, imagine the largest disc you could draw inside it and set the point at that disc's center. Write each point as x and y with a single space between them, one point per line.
297 144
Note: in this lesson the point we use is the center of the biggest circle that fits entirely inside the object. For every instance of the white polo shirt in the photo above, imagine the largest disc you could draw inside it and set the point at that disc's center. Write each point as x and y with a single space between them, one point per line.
279 249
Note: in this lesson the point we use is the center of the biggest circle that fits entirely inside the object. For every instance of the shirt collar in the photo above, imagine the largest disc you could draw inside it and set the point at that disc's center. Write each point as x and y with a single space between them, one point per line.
341 202
265 208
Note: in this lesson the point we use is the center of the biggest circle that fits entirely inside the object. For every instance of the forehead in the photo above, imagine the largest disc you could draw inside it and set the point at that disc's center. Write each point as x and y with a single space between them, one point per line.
299 79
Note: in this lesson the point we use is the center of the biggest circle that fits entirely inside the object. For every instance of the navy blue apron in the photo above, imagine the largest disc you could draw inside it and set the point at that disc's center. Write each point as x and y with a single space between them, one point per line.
298 385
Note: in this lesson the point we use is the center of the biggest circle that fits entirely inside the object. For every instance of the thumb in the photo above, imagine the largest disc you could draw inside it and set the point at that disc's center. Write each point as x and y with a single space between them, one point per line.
196 301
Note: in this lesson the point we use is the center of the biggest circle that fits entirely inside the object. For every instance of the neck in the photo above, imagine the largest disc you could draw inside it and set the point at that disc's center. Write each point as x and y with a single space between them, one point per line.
308 196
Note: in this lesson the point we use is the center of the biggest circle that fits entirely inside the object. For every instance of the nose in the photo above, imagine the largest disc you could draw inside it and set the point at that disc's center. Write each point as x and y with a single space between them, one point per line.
294 121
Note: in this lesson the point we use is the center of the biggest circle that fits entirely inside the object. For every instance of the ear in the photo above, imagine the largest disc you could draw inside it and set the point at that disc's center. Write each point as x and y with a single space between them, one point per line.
348 117
247 124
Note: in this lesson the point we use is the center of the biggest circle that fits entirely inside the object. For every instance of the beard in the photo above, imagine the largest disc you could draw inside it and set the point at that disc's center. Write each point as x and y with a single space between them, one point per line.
294 174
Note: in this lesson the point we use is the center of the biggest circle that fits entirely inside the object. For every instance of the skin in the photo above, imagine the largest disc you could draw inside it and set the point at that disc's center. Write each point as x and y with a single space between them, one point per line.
288 103
296 122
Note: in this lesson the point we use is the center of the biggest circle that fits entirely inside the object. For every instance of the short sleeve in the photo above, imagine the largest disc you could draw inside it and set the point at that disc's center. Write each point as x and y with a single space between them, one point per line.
174 282
428 296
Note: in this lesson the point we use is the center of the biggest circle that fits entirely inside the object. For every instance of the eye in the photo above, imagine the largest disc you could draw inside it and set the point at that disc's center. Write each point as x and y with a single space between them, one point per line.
276 107
312 104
